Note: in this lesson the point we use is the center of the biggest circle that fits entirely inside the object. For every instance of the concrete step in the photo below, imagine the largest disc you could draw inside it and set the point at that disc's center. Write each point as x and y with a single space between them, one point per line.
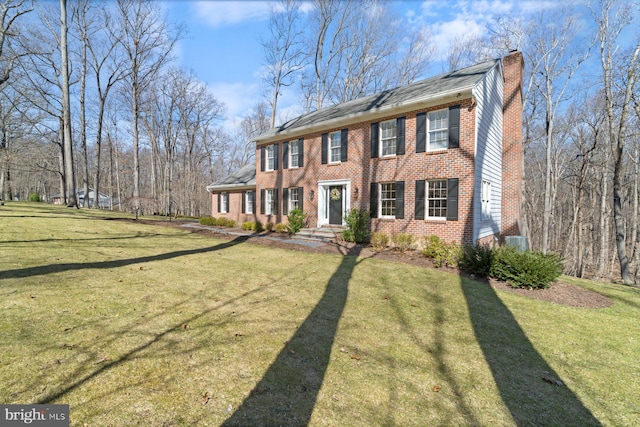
324 234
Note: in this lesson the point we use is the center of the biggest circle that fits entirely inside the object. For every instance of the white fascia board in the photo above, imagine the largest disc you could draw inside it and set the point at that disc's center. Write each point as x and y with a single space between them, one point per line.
373 114
229 187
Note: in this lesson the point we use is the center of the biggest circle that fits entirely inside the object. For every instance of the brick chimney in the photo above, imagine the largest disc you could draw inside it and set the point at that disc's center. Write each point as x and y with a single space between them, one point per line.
512 149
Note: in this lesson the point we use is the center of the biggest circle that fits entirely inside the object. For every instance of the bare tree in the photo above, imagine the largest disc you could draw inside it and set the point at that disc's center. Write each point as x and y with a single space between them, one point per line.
284 50
108 67
612 18
10 11
551 43
147 40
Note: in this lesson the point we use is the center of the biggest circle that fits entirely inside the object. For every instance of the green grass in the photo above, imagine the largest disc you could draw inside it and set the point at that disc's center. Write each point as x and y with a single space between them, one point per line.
134 324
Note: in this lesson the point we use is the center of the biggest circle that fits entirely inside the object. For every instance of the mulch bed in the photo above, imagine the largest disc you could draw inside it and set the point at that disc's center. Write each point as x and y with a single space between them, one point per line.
561 293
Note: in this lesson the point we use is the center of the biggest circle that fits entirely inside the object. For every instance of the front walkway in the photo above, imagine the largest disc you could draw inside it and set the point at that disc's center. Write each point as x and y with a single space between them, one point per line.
277 237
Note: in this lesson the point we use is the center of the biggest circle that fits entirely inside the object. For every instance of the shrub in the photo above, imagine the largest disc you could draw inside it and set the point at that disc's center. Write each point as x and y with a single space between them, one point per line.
403 242
379 240
219 222
281 228
34 197
252 226
357 225
477 259
532 270
208 220
269 226
442 253
226 222
297 220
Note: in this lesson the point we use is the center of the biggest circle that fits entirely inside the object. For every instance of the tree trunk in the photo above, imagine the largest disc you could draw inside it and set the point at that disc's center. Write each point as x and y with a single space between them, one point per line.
604 235
69 171
136 154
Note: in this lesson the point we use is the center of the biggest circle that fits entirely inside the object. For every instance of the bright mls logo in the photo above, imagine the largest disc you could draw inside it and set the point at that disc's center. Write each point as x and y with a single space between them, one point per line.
34 415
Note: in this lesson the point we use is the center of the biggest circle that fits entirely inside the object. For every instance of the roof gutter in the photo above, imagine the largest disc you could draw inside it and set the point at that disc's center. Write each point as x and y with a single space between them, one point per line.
372 114
230 187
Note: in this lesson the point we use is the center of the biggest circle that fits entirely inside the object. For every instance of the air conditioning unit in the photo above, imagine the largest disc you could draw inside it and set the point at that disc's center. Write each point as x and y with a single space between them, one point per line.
521 243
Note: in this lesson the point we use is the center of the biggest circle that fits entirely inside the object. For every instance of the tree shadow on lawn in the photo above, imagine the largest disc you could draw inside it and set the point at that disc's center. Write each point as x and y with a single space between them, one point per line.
59 268
288 391
523 377
151 340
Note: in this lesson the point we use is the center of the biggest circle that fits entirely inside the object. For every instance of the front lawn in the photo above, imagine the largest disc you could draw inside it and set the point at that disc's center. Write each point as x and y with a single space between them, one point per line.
134 324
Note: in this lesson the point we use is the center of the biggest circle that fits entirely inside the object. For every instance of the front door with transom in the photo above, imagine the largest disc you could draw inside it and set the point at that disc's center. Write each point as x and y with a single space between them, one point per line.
335 205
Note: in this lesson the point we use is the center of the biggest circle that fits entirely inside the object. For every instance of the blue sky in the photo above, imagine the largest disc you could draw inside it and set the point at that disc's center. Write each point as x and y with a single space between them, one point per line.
223 42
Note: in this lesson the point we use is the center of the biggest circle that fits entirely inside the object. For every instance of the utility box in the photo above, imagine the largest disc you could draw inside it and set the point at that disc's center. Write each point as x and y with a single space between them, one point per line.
521 243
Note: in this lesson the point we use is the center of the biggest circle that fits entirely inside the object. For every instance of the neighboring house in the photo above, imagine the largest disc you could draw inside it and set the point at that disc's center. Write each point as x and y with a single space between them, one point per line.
440 156
103 199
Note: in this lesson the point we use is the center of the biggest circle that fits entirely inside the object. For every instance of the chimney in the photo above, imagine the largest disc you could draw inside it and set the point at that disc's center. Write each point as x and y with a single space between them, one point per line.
512 149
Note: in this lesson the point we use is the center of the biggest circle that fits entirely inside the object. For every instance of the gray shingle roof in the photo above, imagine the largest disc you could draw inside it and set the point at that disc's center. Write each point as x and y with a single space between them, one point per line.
445 83
245 177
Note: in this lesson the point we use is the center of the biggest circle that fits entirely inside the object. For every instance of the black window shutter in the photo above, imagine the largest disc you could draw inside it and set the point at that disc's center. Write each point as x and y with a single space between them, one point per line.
262 158
219 198
262 197
244 205
325 144
301 152
301 198
285 155
452 199
285 201
421 133
399 199
344 144
275 157
420 185
275 201
374 140
400 135
373 202
454 126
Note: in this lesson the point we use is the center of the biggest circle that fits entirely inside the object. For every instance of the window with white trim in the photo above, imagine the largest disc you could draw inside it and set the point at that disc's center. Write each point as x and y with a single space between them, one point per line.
249 201
294 154
388 200
438 130
486 200
335 147
224 202
388 138
437 199
271 158
270 201
294 198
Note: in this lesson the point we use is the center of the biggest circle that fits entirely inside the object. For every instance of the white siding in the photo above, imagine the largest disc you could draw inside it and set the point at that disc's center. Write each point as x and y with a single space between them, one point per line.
488 159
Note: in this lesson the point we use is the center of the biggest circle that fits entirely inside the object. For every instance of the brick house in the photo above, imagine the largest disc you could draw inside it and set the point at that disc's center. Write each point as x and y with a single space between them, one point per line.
440 156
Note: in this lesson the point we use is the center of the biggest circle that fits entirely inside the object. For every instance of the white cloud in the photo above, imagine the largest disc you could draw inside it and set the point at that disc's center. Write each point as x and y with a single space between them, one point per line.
221 13
239 98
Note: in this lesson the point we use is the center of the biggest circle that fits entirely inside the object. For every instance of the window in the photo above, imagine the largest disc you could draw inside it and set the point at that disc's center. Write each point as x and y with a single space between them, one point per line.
294 154
224 202
270 202
388 200
249 201
271 158
486 200
294 198
388 138
438 130
437 197
335 152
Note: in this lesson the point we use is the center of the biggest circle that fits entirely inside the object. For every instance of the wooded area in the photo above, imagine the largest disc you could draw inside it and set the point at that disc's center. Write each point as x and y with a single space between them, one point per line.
90 99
